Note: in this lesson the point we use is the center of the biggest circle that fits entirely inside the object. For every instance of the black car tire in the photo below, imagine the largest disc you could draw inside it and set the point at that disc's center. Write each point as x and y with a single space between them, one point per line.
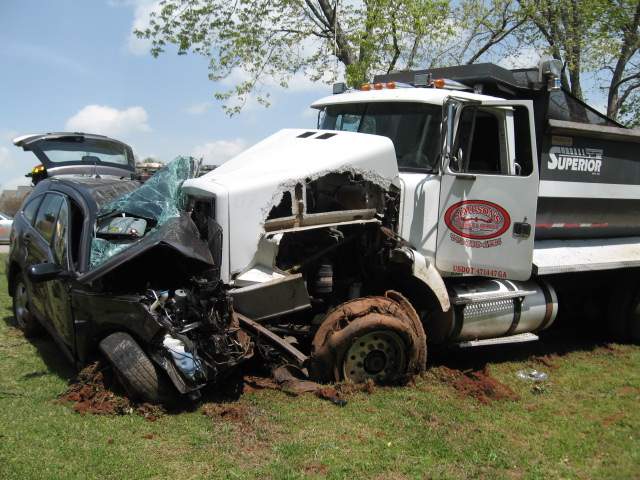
139 376
25 320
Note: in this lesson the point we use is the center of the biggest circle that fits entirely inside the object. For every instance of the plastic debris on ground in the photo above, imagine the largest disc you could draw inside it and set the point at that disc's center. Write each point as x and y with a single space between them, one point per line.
532 375
159 199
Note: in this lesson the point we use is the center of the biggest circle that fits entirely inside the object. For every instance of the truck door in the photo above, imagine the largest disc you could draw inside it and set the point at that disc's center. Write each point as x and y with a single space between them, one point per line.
489 189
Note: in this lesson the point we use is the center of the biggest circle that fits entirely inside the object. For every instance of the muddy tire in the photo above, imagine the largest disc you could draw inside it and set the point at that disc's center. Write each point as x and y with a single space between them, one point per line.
139 376
25 320
372 338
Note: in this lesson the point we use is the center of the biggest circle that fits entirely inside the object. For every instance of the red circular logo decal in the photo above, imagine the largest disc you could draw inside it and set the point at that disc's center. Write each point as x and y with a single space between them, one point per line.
477 219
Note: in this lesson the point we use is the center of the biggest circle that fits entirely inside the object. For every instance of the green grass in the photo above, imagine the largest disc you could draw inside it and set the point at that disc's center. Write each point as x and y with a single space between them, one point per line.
585 423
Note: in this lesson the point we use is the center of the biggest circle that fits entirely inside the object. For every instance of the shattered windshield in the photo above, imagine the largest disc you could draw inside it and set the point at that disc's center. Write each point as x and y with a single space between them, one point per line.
414 128
125 220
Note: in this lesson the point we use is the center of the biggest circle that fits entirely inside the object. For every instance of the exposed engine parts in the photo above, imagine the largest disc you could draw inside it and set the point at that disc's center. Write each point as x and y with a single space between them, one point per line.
202 336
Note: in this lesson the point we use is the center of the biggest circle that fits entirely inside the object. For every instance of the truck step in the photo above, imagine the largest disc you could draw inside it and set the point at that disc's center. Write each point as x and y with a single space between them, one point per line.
468 298
520 338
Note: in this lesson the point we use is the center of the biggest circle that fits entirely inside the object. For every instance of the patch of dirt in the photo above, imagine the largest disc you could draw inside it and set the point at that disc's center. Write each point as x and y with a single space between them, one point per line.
613 349
548 360
331 394
628 390
478 384
253 383
234 412
94 391
349 388
316 469
611 419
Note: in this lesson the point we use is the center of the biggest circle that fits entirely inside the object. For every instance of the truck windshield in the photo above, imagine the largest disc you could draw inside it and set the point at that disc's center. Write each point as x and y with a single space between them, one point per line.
414 128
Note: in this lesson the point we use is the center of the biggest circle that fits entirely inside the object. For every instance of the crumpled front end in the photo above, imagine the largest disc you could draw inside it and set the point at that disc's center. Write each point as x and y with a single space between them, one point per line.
295 179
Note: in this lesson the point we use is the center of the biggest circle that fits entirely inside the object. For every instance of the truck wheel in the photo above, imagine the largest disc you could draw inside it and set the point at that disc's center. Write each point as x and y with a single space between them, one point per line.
372 338
24 318
139 376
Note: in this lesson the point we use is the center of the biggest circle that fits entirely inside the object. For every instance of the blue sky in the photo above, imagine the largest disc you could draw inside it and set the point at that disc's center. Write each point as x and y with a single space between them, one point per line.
75 65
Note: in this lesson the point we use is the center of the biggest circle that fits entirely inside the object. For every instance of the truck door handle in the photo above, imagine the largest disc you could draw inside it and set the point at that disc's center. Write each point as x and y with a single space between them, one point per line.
522 229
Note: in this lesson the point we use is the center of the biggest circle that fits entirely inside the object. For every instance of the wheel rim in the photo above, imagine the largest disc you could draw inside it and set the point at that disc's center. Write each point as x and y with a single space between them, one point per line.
378 355
21 302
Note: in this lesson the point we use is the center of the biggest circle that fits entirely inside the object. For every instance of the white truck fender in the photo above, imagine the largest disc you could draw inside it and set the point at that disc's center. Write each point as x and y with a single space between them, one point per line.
425 271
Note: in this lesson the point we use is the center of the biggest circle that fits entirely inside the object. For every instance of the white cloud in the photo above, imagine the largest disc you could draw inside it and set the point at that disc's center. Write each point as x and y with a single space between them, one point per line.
199 108
219 151
523 58
109 121
141 12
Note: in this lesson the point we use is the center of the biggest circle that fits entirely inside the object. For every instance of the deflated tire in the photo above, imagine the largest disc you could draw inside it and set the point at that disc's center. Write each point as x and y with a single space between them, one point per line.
370 338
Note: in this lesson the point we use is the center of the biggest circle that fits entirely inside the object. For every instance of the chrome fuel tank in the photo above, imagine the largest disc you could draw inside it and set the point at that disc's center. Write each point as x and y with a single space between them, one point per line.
491 308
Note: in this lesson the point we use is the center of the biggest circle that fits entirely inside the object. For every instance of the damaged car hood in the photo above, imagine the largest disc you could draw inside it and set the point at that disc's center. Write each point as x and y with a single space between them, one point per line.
173 250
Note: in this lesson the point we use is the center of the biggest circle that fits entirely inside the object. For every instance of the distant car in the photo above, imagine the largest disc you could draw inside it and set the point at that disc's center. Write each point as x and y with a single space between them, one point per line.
6 221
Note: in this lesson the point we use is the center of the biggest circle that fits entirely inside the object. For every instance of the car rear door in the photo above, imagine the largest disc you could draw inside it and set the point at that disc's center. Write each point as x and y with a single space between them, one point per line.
37 242
58 299
78 154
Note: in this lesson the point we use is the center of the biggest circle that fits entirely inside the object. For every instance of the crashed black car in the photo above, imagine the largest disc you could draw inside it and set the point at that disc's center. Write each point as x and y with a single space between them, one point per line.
102 262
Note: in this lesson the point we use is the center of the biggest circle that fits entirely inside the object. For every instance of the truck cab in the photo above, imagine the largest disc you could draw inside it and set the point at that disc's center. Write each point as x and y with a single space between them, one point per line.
468 176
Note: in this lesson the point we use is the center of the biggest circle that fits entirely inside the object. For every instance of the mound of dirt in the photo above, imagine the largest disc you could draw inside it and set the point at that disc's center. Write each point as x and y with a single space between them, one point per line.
235 412
547 360
478 384
94 391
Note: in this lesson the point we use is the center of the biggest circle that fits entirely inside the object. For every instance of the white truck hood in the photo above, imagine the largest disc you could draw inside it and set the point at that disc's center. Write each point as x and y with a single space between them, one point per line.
250 184
294 154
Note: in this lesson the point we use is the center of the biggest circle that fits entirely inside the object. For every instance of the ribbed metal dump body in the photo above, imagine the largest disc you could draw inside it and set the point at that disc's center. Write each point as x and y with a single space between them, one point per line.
589 182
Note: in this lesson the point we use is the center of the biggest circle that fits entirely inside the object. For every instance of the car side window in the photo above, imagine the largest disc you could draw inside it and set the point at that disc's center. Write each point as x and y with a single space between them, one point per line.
47 215
60 237
30 209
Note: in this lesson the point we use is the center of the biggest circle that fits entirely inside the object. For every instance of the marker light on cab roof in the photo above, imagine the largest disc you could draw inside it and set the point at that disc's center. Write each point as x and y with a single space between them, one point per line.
439 83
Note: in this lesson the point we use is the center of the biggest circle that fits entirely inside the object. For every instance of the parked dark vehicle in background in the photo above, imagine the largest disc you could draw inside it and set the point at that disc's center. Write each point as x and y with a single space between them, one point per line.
101 262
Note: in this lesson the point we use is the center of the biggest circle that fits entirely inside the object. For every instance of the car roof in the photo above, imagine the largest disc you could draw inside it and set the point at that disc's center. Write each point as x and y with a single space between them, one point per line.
100 190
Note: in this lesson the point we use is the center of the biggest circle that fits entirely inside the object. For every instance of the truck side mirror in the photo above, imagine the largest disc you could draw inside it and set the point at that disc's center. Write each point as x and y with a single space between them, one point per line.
44 272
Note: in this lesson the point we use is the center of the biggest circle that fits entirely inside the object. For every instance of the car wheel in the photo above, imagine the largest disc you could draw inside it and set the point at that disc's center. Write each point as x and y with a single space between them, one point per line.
373 338
139 376
25 320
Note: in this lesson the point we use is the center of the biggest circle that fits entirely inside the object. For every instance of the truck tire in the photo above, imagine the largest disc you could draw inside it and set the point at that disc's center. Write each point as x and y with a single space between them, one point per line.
371 338
139 376
25 320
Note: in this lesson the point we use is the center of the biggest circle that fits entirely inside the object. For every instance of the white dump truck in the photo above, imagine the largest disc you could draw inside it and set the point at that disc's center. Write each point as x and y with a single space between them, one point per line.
466 205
